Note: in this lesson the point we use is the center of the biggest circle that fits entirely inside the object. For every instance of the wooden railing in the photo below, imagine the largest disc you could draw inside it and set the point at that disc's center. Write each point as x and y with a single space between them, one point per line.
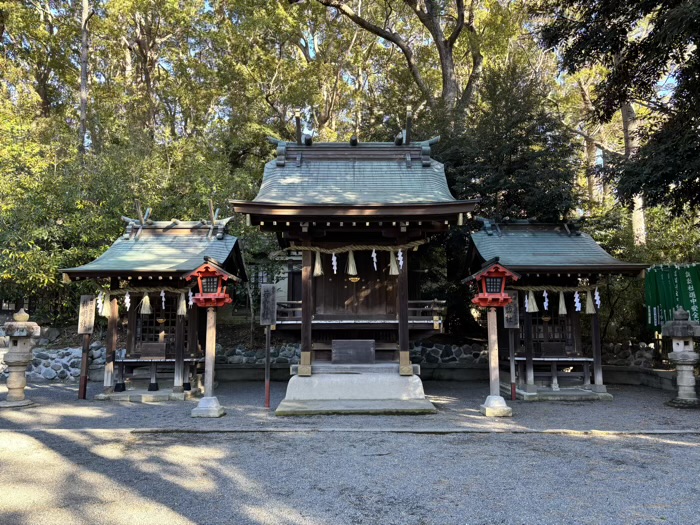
424 308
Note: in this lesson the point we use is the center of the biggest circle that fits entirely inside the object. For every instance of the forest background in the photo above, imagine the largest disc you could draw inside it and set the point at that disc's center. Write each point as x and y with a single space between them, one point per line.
584 110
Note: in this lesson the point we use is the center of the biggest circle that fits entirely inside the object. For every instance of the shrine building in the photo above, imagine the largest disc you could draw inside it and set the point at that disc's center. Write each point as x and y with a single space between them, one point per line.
358 213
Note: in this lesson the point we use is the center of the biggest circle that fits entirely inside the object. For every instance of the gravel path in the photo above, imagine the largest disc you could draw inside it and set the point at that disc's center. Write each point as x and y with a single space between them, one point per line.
306 478
80 462
633 409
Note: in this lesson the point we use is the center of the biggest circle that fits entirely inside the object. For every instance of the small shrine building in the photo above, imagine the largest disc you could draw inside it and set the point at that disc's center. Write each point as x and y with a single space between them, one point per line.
150 296
561 269
357 212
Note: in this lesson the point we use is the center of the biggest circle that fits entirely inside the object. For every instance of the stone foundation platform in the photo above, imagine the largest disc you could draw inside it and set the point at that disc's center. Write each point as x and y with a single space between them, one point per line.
374 392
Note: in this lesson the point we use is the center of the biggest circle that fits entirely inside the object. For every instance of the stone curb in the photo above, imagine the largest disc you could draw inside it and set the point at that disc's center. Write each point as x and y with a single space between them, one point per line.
295 430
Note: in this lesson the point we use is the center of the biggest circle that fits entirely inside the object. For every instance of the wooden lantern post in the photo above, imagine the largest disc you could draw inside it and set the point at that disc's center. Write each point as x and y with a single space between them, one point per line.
211 295
491 283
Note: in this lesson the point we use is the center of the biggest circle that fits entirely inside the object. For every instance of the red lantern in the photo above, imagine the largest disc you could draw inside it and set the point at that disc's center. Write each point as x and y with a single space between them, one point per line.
210 281
491 284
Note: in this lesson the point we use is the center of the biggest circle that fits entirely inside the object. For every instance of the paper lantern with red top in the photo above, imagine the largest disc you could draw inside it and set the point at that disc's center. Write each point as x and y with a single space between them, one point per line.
211 279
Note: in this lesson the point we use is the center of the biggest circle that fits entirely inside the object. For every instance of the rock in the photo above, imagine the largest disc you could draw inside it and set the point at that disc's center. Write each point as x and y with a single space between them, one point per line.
29 367
282 360
624 354
36 362
431 357
466 359
250 360
477 348
457 351
56 366
219 348
75 363
221 359
43 342
476 355
446 353
95 345
294 360
450 359
49 374
62 374
75 373
434 352
50 333
42 355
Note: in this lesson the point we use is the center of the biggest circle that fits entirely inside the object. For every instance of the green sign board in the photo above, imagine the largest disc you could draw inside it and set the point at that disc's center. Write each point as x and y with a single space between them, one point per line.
670 287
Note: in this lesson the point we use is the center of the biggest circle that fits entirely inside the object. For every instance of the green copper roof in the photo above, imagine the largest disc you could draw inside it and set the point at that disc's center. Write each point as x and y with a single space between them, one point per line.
548 247
365 174
163 247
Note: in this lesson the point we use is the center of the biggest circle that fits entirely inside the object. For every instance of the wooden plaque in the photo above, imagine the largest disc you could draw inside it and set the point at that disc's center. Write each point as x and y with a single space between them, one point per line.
268 304
86 318
352 351
511 312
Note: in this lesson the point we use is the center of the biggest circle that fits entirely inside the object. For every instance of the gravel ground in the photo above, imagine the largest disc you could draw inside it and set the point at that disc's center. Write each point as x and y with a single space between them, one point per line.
100 477
633 409
80 462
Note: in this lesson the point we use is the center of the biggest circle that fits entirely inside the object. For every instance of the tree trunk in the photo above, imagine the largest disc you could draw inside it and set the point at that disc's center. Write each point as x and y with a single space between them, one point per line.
84 75
630 125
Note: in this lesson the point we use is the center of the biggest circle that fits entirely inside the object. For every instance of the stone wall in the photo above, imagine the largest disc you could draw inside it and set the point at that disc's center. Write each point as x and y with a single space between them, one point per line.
58 364
631 354
420 353
64 364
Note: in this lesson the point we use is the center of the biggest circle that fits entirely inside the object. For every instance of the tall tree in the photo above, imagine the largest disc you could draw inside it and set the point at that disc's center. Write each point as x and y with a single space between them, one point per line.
650 51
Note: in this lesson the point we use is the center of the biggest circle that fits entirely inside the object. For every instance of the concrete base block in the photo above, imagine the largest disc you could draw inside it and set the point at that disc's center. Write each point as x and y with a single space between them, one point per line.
599 389
369 393
17 404
208 407
144 396
495 406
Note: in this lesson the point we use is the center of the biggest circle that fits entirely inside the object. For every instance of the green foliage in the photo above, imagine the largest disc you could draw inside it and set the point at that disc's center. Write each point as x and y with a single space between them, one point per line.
650 52
513 154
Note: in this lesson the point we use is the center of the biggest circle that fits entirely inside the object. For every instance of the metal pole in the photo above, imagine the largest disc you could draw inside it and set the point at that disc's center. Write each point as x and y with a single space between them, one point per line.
267 366
511 332
82 390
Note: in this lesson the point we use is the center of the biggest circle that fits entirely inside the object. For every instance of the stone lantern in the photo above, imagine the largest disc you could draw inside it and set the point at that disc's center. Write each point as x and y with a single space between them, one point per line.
23 337
681 331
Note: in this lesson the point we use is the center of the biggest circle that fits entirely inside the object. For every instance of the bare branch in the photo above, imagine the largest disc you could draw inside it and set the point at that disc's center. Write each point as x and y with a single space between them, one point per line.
460 24
388 35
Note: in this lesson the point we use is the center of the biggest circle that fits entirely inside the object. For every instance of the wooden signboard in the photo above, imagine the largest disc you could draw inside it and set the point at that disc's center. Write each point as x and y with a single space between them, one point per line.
86 318
268 305
511 312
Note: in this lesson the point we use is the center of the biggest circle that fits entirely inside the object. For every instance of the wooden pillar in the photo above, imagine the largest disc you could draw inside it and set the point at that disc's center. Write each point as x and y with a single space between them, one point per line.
529 353
307 309
598 385
210 353
178 379
494 380
405 367
112 324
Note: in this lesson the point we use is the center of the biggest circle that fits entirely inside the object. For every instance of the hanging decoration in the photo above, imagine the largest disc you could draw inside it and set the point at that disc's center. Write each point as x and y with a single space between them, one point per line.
100 302
146 305
374 258
334 263
527 304
393 266
531 304
546 300
352 267
400 258
106 306
162 298
577 301
127 301
318 267
596 297
590 309
182 305
562 304
190 299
